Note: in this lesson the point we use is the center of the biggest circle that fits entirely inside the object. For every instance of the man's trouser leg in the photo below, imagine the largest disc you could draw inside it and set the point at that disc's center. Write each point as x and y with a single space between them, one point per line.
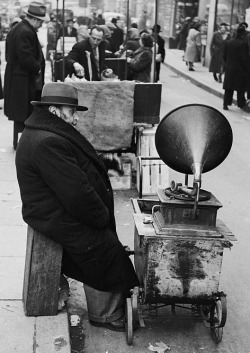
104 306
228 97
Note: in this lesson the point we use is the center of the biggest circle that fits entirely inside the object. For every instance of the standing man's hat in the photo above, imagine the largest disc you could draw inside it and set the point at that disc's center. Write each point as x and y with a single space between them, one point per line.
37 10
157 27
59 93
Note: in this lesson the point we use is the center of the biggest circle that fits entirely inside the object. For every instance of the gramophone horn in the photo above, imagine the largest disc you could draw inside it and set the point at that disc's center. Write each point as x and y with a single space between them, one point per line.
193 139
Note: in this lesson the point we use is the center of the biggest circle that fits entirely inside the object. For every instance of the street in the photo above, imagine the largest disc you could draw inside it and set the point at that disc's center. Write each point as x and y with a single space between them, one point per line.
230 183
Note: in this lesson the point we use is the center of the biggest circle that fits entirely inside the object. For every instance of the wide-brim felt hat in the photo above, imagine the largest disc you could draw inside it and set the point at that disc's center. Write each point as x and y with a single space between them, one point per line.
59 93
157 27
37 10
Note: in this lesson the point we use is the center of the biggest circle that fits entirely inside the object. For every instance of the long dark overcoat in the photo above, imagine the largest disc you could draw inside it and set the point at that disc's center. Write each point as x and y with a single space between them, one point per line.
78 54
66 195
216 50
140 65
25 59
237 60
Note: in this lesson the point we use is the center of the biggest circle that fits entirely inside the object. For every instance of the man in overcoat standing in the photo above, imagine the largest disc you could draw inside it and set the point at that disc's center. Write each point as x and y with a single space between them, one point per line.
67 196
24 74
236 57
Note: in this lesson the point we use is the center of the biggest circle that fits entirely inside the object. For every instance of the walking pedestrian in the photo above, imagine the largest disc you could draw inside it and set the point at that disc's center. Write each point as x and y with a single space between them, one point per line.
24 73
69 30
236 56
53 29
160 54
183 34
67 196
216 49
193 48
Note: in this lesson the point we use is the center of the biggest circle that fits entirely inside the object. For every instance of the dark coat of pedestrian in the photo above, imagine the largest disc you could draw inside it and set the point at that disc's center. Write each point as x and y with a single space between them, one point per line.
24 73
139 65
69 30
216 50
236 56
161 50
117 37
83 54
184 33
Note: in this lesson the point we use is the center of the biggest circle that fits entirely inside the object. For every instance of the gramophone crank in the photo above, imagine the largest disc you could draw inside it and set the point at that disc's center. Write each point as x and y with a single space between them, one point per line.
179 241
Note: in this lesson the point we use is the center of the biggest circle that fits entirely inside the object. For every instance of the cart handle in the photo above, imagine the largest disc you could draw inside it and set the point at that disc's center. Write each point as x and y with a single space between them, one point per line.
155 208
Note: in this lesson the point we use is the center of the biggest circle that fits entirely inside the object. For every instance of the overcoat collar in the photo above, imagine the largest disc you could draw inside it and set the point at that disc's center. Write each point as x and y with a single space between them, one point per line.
44 120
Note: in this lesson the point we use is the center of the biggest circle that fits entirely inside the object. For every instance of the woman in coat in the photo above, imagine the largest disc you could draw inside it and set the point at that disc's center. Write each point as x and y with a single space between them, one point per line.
216 49
193 47
236 56
139 64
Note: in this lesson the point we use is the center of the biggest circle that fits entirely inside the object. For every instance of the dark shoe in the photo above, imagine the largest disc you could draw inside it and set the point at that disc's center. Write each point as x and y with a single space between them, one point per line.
215 77
118 325
219 79
191 69
225 107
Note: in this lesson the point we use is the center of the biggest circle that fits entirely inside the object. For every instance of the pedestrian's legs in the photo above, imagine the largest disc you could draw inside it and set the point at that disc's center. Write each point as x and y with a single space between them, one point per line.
104 307
215 76
228 98
157 71
241 100
191 66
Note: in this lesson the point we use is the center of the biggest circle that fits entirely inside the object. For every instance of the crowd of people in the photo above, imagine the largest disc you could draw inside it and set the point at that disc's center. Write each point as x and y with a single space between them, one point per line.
102 39
230 57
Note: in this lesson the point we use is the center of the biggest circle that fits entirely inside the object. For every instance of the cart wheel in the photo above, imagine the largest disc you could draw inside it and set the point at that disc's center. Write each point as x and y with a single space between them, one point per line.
134 303
218 317
129 321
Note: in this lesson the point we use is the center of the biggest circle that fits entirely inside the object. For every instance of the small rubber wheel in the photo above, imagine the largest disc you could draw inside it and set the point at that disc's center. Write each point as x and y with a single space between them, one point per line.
218 317
129 322
134 302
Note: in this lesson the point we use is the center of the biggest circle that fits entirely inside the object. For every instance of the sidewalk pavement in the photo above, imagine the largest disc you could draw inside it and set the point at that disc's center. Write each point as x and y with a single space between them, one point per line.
201 77
19 333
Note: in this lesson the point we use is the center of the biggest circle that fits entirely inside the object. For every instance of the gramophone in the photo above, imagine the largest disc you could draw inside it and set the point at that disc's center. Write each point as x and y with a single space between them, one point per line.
192 139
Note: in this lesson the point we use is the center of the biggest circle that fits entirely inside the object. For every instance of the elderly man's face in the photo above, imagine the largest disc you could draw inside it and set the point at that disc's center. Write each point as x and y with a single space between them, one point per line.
69 114
96 38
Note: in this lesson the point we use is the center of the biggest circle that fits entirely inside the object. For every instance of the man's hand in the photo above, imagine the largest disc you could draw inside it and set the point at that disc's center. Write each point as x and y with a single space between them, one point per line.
79 70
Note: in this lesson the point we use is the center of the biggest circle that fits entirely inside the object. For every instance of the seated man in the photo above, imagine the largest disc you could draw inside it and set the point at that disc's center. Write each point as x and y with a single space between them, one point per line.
86 59
67 196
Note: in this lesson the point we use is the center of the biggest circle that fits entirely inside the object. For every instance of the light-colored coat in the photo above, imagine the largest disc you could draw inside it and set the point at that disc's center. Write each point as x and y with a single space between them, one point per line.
193 45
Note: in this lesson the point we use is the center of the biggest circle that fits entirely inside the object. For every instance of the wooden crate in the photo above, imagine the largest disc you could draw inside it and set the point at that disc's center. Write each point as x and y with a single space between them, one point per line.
152 172
41 275
122 182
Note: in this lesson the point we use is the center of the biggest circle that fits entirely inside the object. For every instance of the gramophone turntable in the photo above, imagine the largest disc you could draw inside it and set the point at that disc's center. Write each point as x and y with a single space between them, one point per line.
192 139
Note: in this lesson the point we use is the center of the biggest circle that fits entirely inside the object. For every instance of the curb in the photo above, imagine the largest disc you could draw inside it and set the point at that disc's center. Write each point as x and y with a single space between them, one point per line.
51 334
198 83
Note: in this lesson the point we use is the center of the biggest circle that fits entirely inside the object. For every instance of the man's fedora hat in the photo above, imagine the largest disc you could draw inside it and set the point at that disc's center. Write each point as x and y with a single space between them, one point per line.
157 27
59 93
37 10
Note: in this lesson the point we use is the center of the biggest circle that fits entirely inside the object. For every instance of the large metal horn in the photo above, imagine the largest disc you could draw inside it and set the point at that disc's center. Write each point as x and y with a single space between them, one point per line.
193 139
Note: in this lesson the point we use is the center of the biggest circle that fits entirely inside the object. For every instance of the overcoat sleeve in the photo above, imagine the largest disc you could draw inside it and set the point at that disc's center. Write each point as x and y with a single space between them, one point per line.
139 62
59 168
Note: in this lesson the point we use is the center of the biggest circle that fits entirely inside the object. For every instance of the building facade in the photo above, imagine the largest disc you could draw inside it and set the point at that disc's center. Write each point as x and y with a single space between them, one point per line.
171 14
